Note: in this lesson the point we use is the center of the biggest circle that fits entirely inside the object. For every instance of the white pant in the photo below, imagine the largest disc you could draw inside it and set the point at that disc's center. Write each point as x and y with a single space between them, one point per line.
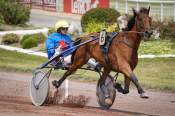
91 62
67 60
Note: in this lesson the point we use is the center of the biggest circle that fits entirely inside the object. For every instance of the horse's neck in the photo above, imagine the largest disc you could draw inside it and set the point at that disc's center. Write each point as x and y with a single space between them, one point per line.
137 38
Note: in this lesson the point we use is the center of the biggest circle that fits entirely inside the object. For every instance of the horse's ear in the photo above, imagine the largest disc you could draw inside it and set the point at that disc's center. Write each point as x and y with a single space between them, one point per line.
148 9
134 12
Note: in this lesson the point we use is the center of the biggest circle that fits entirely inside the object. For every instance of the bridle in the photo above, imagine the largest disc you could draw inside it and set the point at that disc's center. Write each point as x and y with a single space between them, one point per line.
125 40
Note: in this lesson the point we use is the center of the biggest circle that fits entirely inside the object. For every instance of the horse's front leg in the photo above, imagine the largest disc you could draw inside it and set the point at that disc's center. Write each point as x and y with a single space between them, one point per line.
131 76
137 84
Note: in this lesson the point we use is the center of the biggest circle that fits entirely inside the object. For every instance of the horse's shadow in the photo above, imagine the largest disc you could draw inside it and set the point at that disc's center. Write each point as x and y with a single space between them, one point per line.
122 111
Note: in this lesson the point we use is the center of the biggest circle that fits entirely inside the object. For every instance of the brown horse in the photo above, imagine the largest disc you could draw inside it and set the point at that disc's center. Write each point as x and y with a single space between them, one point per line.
122 56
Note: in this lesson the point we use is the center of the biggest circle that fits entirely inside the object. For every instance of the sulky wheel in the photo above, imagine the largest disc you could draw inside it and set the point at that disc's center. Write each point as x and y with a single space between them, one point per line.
103 100
39 87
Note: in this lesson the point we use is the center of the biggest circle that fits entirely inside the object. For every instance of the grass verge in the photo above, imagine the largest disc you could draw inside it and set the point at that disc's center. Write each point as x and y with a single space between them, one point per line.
158 73
157 47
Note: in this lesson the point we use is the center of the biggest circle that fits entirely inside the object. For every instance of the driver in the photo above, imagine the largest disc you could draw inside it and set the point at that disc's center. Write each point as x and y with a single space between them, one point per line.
59 41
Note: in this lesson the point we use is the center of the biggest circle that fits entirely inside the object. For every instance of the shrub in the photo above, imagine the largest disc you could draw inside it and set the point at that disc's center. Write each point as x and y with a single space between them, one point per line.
97 27
94 27
51 30
14 13
39 37
99 15
166 29
29 43
10 38
112 28
24 38
1 19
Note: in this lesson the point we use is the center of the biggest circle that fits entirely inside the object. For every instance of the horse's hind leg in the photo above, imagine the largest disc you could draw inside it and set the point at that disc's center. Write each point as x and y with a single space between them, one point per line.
76 64
104 76
103 80
127 84
124 90
57 84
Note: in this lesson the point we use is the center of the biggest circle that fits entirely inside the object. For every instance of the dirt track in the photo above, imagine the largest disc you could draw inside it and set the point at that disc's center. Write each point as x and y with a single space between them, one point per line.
15 101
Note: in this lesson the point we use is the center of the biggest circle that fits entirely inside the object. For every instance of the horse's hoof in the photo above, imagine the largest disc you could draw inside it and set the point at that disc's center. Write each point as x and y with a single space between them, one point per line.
125 91
118 87
144 96
55 83
108 101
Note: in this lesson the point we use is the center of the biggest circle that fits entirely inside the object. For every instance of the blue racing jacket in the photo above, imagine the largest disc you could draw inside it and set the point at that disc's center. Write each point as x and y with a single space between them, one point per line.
52 43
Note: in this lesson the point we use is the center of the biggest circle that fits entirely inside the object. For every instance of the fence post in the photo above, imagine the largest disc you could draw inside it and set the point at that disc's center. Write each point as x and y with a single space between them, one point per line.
126 7
137 4
66 88
174 12
59 5
117 5
30 4
43 4
161 13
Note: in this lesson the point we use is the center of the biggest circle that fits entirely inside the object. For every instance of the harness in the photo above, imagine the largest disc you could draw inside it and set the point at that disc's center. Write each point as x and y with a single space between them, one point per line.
105 41
108 40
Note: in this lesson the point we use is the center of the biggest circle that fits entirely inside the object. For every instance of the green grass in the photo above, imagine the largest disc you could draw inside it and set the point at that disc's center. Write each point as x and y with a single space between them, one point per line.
19 62
157 74
157 47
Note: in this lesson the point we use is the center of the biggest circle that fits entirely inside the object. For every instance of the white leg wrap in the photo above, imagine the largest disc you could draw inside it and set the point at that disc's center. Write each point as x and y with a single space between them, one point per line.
91 62
67 59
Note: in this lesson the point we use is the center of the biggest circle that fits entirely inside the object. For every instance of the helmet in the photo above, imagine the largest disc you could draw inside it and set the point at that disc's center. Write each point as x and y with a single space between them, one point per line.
61 23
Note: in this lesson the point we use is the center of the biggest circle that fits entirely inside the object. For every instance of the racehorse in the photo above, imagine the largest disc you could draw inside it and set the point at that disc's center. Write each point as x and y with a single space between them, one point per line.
122 56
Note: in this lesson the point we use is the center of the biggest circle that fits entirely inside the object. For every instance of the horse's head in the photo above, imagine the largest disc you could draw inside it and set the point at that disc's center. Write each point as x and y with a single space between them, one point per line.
143 21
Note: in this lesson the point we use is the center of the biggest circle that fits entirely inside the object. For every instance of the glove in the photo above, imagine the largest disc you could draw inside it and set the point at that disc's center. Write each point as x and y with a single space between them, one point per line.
58 50
62 44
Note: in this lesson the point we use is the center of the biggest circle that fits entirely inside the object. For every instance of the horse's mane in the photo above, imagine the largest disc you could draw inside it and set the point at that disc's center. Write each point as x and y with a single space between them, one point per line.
131 22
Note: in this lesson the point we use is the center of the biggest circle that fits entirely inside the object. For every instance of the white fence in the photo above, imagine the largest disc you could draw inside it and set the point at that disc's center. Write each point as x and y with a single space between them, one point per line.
25 32
160 9
37 53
